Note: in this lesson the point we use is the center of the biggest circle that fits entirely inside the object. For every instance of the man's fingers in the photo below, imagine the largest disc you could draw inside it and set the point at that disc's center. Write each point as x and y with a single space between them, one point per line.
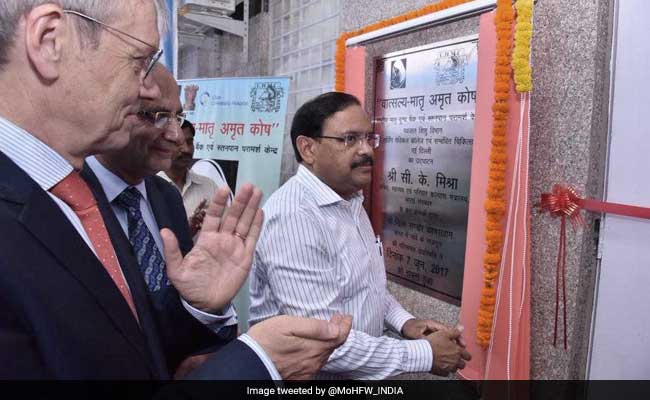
250 212
214 212
254 231
203 204
464 354
237 208
200 209
345 325
173 256
346 328
434 326
453 334
460 339
315 329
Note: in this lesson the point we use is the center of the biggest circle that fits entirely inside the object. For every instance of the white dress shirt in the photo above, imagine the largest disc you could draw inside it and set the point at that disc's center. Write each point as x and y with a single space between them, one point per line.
211 169
317 255
196 189
113 186
47 168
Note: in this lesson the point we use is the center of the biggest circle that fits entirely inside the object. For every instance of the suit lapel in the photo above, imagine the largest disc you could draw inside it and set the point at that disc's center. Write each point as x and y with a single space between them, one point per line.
46 222
131 271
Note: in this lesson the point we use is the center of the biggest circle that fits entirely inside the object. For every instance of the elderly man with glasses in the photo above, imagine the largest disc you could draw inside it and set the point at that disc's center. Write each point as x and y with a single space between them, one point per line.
136 205
318 255
74 74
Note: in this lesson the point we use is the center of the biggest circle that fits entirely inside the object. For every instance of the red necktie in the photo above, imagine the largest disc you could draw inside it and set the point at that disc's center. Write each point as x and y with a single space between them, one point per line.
74 191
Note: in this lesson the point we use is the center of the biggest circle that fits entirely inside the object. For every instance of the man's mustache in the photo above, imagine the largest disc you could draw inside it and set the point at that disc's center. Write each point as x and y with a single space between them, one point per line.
183 157
365 161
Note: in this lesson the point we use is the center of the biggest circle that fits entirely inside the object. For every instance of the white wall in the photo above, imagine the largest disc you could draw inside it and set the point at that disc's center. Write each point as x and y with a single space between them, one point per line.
621 329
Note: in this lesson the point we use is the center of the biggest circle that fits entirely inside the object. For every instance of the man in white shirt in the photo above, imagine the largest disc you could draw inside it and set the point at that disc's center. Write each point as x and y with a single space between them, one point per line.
196 190
72 82
318 255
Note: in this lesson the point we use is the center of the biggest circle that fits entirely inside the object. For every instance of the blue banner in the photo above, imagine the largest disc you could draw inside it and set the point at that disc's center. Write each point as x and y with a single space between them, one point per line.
169 41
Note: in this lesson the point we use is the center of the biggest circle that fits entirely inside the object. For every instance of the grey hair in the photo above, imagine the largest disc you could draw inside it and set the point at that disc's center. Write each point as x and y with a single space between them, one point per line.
12 10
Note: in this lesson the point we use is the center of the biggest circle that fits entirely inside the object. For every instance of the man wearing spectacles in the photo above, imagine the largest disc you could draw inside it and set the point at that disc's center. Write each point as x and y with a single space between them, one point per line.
72 87
318 255
136 205
69 89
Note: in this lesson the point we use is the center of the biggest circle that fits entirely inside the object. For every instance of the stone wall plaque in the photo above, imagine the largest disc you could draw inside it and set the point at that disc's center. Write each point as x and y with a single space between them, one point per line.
425 100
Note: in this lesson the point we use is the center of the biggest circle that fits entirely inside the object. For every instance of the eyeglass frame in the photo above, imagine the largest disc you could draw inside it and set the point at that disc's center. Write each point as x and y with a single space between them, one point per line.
356 137
153 117
153 59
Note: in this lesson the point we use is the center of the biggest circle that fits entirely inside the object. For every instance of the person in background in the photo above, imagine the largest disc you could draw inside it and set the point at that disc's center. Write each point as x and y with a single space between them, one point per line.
196 190
318 254
135 205
211 169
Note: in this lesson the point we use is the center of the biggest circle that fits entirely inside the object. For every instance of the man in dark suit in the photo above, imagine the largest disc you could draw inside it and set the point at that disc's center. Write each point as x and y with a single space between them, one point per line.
71 308
153 141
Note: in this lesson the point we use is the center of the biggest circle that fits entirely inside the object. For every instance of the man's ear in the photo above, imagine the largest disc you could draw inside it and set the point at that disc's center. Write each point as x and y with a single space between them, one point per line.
307 149
45 34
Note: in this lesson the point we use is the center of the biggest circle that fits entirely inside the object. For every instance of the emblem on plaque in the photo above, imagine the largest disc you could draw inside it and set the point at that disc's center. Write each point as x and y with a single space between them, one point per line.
266 96
398 74
450 68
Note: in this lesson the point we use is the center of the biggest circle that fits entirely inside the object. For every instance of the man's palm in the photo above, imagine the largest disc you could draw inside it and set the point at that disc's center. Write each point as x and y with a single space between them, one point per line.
210 275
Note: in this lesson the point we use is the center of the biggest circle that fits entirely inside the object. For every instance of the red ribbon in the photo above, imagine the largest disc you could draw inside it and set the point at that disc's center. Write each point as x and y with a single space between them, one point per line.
564 202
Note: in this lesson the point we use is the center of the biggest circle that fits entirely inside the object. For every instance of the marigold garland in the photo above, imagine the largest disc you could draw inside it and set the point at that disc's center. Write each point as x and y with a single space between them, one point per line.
495 205
521 53
339 55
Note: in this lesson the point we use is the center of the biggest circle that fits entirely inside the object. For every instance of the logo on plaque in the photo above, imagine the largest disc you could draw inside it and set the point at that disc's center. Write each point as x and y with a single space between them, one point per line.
450 67
266 96
398 74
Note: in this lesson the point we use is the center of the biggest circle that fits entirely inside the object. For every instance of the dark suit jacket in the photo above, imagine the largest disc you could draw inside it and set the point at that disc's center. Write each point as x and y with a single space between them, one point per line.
61 315
166 322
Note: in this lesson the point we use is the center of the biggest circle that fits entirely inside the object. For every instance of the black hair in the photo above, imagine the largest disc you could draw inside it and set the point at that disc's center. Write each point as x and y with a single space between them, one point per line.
188 125
310 117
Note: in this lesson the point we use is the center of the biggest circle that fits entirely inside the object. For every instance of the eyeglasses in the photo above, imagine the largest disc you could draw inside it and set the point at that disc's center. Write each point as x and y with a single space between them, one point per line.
162 119
352 139
147 62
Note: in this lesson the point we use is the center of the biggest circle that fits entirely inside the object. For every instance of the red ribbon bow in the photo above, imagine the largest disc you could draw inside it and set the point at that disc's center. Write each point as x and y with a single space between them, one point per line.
563 202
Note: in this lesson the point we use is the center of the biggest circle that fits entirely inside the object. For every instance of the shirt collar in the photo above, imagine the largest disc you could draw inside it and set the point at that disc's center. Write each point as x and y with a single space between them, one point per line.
324 194
38 160
190 178
193 177
112 184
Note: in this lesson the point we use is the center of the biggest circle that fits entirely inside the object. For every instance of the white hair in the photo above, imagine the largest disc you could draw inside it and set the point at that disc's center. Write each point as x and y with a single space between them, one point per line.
103 10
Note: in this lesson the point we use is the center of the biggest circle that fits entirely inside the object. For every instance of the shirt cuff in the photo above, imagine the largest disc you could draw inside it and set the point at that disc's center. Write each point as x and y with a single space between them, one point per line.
397 317
250 342
418 356
213 321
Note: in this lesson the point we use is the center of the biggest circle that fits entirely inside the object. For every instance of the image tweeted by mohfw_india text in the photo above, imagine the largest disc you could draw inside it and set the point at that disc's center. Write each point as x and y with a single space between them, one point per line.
325 391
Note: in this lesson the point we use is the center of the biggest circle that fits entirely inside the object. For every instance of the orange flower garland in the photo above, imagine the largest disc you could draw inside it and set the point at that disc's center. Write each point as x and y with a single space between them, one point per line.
495 205
339 55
